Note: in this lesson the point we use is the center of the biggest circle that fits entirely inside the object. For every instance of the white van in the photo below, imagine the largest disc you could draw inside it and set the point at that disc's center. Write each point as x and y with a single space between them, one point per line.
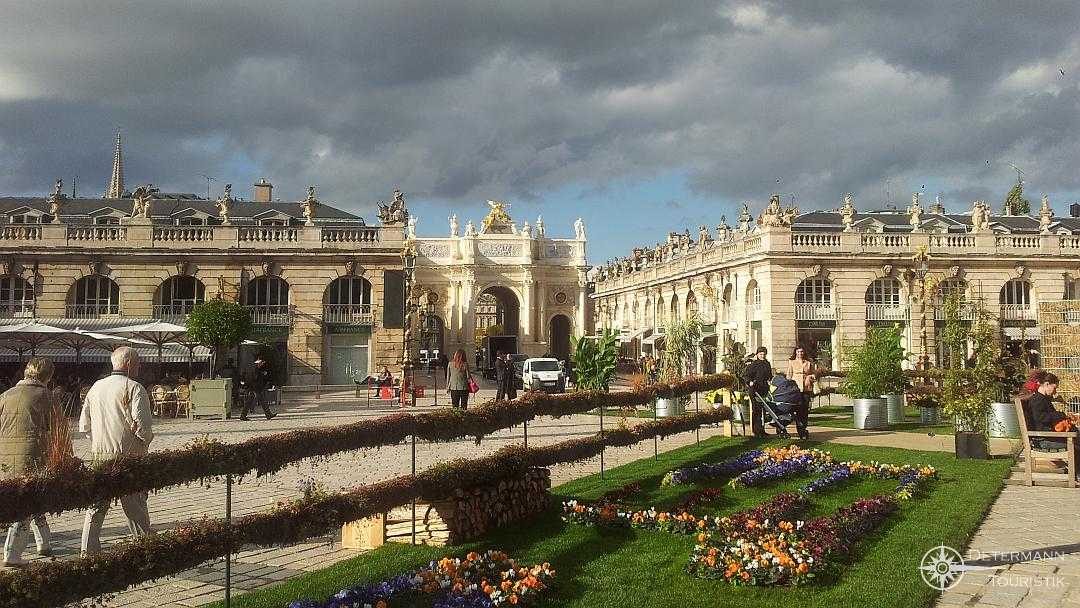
542 374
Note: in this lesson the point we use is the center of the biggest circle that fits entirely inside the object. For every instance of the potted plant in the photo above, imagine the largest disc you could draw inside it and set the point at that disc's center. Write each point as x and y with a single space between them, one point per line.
682 342
927 397
970 385
1003 421
594 360
875 371
734 361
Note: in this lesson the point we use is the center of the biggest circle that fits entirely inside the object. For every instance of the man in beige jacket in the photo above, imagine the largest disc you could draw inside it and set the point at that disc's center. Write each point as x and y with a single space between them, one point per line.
25 415
116 413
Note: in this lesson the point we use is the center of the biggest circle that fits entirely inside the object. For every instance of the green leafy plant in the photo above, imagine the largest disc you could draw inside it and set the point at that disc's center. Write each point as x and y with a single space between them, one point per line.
969 386
876 365
1015 203
219 325
594 360
682 342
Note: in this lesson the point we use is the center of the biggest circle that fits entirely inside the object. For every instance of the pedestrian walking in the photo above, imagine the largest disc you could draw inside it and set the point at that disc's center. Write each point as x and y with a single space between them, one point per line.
500 375
759 373
458 379
261 380
25 416
509 384
116 414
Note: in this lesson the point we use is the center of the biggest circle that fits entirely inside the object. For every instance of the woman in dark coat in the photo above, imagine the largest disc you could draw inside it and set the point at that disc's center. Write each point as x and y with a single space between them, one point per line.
759 373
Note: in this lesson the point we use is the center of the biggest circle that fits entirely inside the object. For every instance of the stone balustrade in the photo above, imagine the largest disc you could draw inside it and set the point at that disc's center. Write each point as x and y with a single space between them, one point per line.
222 237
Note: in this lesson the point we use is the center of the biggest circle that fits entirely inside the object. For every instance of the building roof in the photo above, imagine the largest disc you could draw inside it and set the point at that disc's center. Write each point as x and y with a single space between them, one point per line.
900 221
168 207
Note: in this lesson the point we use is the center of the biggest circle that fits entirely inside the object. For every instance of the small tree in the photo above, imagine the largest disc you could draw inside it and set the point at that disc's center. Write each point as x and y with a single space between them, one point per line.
594 360
969 386
1015 203
876 365
218 325
682 341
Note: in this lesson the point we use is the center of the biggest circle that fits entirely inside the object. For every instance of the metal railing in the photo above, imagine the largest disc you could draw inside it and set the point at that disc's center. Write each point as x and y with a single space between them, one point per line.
348 314
966 312
177 311
1018 312
815 312
93 311
887 312
18 309
279 315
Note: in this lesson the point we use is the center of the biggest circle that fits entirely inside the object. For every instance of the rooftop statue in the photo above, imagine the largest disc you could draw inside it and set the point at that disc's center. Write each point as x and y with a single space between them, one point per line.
847 212
143 196
395 212
915 211
579 229
224 203
453 225
1046 215
309 205
498 220
980 217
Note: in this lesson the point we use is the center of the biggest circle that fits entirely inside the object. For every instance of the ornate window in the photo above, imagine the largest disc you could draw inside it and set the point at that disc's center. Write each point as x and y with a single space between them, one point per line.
884 291
178 295
16 297
94 296
267 298
1016 292
691 304
674 308
814 291
348 301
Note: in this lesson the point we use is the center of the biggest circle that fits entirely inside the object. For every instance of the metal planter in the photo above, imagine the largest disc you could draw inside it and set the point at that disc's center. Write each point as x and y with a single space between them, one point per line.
1002 420
895 406
871 414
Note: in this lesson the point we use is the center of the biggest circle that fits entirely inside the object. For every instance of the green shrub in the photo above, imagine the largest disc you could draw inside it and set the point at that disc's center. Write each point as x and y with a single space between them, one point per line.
876 365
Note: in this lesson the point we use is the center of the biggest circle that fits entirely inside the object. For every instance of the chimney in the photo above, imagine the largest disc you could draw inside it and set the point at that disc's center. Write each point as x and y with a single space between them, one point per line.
1074 210
264 191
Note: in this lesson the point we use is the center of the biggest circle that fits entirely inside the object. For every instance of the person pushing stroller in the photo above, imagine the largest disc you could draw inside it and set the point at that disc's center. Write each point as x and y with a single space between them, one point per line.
786 397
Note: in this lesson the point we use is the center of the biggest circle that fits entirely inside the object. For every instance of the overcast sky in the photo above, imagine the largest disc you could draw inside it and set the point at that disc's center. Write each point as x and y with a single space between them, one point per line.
639 116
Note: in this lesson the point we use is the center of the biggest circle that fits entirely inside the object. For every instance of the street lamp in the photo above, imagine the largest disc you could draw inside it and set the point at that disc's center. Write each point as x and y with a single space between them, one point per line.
408 265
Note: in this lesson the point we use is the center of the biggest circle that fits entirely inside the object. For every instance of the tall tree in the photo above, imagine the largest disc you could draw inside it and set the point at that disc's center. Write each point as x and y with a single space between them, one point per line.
1015 203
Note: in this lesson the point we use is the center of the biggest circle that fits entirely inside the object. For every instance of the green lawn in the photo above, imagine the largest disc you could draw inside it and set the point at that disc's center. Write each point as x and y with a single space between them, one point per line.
841 417
604 567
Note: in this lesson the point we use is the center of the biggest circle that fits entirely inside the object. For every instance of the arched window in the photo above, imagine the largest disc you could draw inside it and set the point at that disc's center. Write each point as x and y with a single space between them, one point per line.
674 308
16 297
884 291
661 312
267 298
813 300
691 305
1015 301
178 295
94 296
1016 292
348 301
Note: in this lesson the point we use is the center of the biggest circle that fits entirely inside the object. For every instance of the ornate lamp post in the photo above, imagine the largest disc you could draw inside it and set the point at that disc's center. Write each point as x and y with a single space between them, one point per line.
921 261
408 264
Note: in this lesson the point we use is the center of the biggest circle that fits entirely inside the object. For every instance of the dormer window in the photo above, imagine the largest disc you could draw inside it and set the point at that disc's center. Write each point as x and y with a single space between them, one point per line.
190 221
274 222
106 220
25 218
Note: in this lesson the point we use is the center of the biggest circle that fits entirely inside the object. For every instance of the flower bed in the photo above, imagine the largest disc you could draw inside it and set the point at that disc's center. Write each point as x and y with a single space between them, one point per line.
784 552
761 467
80 485
480 580
787 505
769 544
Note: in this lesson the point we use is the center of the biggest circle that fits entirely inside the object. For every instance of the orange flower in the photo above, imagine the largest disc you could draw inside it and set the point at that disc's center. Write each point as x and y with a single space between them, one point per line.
505 586
472 556
803 568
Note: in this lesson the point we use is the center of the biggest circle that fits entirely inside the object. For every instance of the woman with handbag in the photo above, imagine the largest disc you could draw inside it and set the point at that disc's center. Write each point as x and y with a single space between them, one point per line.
459 381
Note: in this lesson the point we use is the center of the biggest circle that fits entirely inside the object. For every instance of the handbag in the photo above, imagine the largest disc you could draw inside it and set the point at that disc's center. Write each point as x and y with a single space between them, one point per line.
473 386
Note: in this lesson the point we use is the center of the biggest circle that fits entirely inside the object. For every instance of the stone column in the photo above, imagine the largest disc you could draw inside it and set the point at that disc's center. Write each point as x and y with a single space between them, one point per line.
541 321
580 312
526 317
468 318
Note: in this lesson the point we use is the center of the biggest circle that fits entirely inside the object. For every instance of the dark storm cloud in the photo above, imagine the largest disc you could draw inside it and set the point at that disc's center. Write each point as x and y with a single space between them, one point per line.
473 100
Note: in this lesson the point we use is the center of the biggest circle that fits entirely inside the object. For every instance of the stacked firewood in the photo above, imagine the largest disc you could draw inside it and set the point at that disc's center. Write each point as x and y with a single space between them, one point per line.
509 500
472 512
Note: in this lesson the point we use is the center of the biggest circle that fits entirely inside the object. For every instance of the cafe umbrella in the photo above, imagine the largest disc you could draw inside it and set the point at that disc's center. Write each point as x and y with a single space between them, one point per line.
158 333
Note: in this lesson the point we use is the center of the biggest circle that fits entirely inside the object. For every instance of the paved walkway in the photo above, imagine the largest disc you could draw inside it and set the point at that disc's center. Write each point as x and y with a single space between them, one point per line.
1014 523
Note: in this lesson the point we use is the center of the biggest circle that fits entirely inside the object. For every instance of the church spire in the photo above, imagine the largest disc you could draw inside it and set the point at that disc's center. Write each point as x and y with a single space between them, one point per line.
116 182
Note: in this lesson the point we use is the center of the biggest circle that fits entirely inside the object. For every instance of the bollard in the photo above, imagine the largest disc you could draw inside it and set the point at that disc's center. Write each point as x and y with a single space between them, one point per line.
602 446
228 541
413 442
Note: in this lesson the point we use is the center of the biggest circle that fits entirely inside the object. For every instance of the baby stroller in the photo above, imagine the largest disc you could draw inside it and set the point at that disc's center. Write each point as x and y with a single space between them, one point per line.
779 406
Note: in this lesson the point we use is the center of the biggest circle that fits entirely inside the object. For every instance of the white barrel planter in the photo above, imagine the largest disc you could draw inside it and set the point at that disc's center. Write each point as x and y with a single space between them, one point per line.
895 405
665 408
871 414
1002 420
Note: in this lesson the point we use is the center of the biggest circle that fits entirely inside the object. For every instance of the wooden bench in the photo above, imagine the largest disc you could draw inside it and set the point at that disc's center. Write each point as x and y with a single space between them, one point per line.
1030 453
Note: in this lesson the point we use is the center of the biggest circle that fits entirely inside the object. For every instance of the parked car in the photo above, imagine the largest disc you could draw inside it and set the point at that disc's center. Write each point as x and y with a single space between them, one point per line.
543 374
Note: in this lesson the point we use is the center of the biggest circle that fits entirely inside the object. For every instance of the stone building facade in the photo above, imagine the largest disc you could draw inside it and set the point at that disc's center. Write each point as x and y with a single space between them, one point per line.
517 278
316 280
820 279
